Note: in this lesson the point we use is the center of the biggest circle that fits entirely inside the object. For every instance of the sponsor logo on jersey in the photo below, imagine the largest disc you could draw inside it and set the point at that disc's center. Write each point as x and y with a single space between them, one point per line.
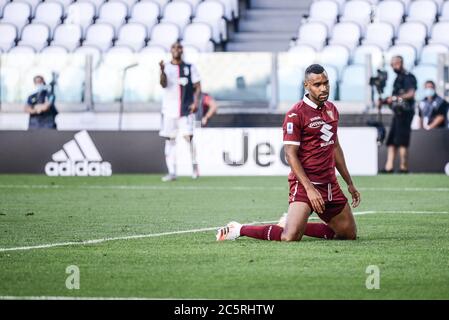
289 127
327 134
315 118
316 124
183 81
78 157
291 115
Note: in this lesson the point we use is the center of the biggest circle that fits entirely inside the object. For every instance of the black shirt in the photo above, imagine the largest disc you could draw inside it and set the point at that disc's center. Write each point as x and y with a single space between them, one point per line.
42 97
403 83
432 108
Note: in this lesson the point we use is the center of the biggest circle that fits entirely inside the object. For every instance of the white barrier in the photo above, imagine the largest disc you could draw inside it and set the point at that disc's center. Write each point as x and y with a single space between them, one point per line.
259 151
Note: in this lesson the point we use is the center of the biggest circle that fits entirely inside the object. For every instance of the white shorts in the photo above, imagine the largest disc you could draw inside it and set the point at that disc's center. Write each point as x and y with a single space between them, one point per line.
171 125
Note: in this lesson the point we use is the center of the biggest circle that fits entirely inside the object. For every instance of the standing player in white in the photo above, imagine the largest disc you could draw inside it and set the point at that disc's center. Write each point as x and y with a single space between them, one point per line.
182 89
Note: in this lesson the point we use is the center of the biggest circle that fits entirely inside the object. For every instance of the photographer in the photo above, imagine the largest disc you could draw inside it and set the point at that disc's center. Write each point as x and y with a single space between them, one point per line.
41 106
402 103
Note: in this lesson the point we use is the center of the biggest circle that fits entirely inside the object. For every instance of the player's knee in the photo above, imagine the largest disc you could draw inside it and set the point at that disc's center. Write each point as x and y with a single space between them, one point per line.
351 233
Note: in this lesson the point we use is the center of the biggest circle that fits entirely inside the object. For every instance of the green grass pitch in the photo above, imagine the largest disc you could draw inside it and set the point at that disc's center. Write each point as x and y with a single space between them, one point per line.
405 233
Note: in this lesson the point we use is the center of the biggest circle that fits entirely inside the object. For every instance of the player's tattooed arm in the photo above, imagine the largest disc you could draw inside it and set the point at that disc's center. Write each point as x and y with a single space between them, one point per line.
196 97
291 154
163 80
340 164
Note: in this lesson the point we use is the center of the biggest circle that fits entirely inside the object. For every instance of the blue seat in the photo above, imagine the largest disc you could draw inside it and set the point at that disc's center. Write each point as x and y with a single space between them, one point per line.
353 83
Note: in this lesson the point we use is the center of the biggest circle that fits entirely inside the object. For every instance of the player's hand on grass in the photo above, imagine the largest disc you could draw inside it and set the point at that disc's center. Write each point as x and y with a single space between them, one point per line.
315 199
355 196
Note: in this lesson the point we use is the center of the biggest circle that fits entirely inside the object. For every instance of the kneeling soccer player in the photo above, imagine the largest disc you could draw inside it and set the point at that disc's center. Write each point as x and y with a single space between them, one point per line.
313 152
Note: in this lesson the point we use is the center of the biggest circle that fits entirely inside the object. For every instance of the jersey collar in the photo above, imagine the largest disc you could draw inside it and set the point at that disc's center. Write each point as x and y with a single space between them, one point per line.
309 102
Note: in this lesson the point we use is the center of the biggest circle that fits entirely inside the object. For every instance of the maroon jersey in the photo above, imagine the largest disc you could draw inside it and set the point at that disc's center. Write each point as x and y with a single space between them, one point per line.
314 130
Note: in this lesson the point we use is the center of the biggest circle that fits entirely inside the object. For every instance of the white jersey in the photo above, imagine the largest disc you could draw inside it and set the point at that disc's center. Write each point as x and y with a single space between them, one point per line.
178 94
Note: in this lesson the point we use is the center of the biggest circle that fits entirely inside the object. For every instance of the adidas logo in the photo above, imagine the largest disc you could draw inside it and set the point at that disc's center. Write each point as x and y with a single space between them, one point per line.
78 157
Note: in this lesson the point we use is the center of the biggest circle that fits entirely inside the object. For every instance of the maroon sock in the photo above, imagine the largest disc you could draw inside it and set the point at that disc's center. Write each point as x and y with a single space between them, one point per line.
319 230
266 232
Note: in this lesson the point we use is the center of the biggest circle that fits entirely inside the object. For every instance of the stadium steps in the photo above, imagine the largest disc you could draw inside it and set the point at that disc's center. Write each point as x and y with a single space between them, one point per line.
268 25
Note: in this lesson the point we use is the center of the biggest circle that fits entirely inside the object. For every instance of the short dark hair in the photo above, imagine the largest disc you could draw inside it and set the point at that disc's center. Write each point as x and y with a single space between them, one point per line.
430 82
39 77
314 68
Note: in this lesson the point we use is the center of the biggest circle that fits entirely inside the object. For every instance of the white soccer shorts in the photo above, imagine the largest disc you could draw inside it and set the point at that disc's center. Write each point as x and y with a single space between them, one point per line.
171 125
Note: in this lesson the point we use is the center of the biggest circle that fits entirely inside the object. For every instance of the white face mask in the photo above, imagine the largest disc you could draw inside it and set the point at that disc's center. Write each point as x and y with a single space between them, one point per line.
429 92
39 87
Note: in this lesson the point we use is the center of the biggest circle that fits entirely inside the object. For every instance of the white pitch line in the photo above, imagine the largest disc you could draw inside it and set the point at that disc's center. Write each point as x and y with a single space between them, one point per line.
151 235
88 298
175 187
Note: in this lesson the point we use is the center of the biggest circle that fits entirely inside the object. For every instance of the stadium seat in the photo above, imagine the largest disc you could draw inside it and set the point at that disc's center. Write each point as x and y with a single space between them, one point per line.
336 56
49 13
424 72
100 35
17 14
193 3
325 11
35 35
153 48
358 11
84 50
161 3
407 52
119 57
313 34
424 11
346 34
291 87
132 35
191 53
231 9
429 54
390 11
54 58
178 12
413 33
2 4
54 50
199 35
9 83
353 83
380 34
304 54
22 50
440 33
439 4
96 3
82 14
129 4
114 13
145 12
106 84
376 53
68 36
33 4
70 85
444 15
164 34
65 3
9 35
212 13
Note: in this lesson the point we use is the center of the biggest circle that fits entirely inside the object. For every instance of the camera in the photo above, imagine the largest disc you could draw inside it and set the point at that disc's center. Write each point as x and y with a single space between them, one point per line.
379 81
